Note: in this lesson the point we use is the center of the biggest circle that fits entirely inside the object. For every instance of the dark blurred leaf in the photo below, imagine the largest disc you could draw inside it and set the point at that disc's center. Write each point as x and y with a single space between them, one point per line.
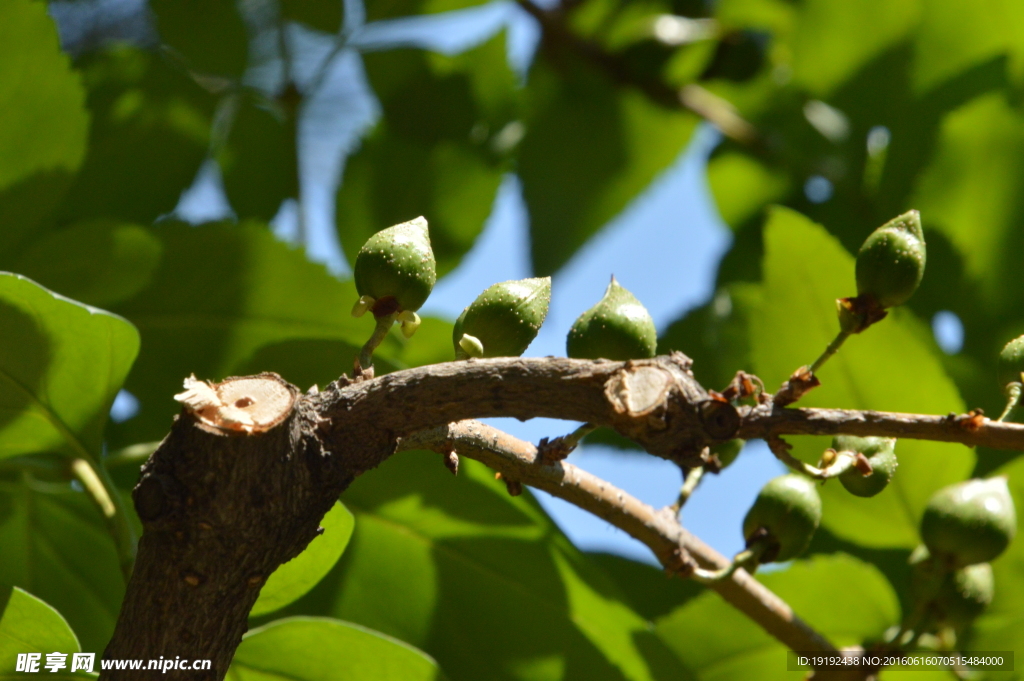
742 186
56 546
150 134
98 263
390 9
293 579
209 34
259 160
890 367
716 641
650 591
231 299
43 122
590 148
323 15
320 649
61 364
488 568
438 150
28 625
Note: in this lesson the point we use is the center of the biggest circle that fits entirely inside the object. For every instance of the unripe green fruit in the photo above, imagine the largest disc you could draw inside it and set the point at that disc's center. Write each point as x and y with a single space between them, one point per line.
728 451
504 319
880 453
969 522
890 264
396 268
955 597
1011 362
789 508
617 328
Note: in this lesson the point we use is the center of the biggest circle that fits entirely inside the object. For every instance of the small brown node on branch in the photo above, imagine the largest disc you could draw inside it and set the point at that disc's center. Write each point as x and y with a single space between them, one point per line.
741 387
860 312
205 526
254 581
514 487
360 374
796 387
720 418
680 563
554 450
192 579
253 404
972 421
451 462
862 464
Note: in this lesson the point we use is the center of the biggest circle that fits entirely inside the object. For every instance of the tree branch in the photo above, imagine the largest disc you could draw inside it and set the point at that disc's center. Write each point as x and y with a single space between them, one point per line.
658 529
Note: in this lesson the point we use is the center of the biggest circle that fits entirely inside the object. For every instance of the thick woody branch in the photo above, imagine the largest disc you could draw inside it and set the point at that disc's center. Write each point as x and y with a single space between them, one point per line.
658 529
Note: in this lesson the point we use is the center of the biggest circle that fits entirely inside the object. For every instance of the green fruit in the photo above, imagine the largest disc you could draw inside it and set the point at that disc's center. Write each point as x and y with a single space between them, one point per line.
890 264
789 509
955 597
617 328
396 268
970 522
880 453
728 451
504 319
1011 362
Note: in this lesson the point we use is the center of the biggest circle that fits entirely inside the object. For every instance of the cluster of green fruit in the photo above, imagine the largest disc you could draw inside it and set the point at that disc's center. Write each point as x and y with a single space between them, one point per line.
395 273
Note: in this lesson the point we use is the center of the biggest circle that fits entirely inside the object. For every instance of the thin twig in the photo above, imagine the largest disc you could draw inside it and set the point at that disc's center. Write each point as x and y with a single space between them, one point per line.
659 530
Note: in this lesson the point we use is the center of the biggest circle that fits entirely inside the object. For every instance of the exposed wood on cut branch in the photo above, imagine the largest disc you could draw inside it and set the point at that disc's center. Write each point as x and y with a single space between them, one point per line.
658 529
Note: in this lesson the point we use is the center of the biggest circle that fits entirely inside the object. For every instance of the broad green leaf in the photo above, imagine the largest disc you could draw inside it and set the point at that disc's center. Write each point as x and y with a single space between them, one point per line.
208 34
323 15
99 262
844 599
487 567
229 299
650 592
29 625
590 148
259 160
150 133
832 40
293 579
437 151
1001 627
43 123
951 40
970 192
321 649
742 186
391 9
889 367
56 546
61 364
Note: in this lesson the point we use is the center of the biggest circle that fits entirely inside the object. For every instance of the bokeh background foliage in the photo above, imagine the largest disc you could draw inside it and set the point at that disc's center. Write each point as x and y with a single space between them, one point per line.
861 111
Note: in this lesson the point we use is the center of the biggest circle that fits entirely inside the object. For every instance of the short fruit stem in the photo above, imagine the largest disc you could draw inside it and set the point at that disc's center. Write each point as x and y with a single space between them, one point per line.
1014 392
832 348
748 559
380 332
690 483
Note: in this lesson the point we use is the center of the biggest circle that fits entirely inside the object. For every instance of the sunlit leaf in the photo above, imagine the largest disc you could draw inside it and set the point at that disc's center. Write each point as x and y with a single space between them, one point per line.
28 625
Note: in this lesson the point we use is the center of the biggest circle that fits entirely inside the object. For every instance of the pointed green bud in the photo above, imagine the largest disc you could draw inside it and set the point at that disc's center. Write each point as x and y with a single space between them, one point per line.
504 319
396 267
969 522
617 328
1011 362
880 453
788 508
890 264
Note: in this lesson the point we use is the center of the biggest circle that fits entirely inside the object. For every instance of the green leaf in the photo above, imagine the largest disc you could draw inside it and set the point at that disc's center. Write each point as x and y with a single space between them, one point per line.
390 9
61 364
487 568
99 263
437 151
43 123
844 599
150 134
228 299
831 41
293 579
1001 627
590 148
56 546
320 649
259 161
209 34
323 15
742 186
892 367
29 625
